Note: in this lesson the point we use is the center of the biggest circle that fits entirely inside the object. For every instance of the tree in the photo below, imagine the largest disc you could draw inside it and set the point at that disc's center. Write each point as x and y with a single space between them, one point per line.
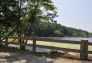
36 12
57 33
8 17
40 10
8 14
21 17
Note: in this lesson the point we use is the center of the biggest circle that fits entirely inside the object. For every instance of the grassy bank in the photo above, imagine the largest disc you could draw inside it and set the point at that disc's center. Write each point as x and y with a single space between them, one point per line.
72 46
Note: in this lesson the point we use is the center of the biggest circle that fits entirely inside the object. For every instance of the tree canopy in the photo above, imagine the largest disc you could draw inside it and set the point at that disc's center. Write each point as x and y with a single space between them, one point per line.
24 15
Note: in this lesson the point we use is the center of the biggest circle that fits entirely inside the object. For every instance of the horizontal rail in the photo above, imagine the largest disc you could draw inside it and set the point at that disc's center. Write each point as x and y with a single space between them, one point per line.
51 40
89 43
24 44
49 47
59 41
58 48
30 38
90 52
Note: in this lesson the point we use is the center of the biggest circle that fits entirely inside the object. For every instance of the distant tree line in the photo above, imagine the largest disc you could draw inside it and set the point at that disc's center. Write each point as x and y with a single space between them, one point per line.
47 29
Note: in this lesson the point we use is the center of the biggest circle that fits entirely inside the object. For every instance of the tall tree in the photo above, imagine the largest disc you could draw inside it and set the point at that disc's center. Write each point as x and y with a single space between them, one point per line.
40 10
35 12
9 12
23 16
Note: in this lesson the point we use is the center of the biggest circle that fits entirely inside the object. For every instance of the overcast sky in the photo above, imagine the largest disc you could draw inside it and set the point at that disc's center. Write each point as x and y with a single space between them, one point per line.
75 13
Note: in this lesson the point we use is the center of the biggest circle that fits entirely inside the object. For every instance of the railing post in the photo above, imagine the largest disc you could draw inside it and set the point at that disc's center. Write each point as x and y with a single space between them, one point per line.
84 50
6 41
34 45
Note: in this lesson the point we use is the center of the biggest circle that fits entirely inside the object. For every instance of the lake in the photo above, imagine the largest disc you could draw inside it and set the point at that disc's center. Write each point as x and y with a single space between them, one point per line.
74 38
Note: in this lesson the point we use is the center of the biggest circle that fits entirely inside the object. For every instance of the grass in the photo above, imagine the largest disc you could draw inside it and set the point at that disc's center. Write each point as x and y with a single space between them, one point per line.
72 46
63 45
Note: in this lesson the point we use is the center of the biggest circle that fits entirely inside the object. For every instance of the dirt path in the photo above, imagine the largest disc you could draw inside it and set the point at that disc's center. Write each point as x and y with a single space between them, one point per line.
6 57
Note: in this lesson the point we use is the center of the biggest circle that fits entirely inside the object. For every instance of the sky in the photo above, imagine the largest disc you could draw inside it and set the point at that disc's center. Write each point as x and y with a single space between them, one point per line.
75 13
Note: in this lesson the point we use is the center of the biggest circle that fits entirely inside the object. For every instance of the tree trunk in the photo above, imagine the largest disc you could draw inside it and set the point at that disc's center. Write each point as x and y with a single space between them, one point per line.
20 40
21 46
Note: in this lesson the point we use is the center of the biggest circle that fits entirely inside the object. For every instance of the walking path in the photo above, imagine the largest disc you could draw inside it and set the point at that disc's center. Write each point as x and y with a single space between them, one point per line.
6 57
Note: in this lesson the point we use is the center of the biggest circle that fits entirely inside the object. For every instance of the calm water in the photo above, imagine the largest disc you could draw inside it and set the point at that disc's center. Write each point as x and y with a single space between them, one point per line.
60 38
74 38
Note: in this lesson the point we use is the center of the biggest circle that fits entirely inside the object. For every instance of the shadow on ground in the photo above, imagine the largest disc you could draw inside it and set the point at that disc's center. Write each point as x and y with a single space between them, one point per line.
11 55
21 58
6 57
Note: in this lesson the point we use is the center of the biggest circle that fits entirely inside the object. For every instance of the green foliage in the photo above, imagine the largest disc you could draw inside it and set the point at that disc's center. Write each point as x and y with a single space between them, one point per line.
56 30
24 18
24 15
9 13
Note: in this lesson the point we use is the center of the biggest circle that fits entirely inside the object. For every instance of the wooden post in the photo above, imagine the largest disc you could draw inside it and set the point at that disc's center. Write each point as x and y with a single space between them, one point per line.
6 41
34 44
84 50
